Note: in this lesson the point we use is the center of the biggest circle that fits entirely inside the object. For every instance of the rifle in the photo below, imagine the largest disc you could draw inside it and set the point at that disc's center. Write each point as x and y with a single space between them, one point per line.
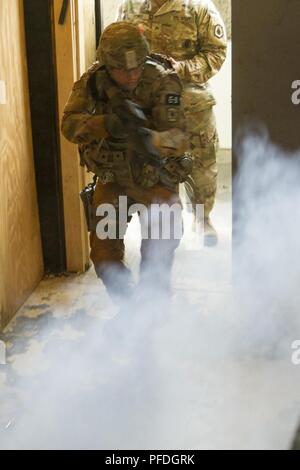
134 122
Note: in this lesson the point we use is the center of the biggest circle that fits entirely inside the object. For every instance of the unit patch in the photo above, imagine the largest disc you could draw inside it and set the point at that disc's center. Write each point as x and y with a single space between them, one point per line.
173 100
173 115
219 32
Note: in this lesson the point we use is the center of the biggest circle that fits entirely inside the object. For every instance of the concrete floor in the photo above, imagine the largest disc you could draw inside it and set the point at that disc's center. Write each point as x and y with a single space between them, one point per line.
182 378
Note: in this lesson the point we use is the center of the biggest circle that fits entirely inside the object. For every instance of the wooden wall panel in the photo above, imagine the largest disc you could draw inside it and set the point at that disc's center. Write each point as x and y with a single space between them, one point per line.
86 44
72 173
75 47
21 266
87 33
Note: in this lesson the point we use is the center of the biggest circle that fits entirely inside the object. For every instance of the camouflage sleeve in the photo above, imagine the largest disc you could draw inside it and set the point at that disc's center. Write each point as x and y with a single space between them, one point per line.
80 122
212 43
168 115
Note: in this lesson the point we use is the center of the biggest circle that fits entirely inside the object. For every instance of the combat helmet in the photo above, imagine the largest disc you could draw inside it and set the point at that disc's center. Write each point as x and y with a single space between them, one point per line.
122 45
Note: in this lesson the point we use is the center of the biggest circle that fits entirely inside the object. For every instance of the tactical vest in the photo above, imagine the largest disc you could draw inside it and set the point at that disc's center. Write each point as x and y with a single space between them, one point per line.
110 158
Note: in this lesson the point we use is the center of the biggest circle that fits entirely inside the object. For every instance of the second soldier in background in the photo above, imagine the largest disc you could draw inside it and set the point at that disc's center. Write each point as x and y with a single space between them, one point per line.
192 34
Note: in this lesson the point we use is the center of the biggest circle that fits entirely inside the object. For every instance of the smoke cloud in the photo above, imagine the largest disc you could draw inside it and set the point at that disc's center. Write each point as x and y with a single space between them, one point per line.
209 368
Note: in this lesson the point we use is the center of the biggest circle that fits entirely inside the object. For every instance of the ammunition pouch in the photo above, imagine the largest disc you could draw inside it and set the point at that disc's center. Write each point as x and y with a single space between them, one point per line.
115 166
110 166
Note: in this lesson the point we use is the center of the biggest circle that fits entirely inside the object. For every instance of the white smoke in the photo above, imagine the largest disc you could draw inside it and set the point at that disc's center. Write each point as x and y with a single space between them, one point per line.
209 369
267 256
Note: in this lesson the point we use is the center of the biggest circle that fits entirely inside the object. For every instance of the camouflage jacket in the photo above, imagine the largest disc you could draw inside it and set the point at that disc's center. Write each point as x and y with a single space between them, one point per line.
159 95
190 31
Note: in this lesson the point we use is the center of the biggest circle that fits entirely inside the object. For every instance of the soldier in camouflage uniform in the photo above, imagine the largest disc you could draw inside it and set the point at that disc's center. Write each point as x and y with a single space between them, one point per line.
91 120
192 34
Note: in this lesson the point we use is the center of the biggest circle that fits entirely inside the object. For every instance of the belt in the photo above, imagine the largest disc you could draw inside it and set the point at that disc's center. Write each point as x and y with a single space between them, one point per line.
112 156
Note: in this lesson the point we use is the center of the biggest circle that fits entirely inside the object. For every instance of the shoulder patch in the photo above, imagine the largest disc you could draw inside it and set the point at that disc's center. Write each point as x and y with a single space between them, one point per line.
219 31
173 100
172 115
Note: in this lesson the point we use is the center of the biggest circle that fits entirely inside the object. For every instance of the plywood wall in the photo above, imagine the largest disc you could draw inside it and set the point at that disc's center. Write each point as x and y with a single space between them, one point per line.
21 265
86 33
75 49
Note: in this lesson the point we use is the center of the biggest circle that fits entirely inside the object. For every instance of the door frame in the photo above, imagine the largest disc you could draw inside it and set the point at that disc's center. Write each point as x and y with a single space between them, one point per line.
43 107
74 178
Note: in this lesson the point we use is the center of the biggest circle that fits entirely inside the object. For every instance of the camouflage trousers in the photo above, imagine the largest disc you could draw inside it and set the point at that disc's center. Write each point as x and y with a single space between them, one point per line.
157 255
204 146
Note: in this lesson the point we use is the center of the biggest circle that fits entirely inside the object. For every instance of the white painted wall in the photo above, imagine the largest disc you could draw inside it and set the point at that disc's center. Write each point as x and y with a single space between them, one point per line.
222 88
109 11
221 83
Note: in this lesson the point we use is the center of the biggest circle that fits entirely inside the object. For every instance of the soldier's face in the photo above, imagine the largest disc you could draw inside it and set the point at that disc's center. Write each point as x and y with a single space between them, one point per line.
127 79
